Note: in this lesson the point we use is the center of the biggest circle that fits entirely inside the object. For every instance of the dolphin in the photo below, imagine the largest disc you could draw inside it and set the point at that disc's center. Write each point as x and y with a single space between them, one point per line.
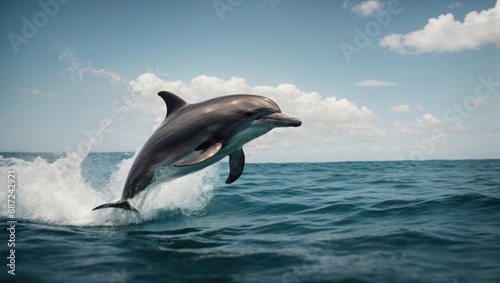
194 136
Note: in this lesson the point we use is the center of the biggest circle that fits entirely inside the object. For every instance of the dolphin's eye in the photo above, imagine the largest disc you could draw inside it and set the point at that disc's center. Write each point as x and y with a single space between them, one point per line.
248 113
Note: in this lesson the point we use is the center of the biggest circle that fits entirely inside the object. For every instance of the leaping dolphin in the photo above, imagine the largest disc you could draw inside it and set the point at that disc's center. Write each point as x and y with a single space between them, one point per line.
194 136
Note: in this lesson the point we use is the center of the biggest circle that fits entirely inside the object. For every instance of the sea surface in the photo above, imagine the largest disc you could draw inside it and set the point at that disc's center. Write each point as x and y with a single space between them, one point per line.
400 221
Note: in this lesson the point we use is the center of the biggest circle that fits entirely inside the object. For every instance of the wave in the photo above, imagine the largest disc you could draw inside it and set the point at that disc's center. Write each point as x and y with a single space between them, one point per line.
56 192
462 203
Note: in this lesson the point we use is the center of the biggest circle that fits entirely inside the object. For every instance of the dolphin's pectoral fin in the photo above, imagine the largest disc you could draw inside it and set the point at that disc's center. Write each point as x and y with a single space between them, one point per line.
236 165
206 144
206 154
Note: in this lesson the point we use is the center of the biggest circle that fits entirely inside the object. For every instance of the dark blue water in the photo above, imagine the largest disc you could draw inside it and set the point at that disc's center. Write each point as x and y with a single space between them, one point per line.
408 221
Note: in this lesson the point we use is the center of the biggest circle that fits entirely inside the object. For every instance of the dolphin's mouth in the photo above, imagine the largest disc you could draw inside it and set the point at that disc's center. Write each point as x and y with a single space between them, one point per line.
280 120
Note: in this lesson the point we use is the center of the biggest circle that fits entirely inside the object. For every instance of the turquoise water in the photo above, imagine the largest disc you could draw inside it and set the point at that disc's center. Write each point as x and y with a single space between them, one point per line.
408 221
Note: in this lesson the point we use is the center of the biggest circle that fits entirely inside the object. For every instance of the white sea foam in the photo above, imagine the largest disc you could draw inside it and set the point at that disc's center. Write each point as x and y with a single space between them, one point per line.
56 193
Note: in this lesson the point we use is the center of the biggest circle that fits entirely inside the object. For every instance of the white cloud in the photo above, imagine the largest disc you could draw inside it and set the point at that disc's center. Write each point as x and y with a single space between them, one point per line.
401 108
367 8
406 108
427 122
445 34
32 91
421 127
375 83
322 117
37 92
455 5
418 108
477 101
403 130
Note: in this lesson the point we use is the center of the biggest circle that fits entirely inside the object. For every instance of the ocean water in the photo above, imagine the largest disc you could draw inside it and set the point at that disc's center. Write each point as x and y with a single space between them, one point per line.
402 221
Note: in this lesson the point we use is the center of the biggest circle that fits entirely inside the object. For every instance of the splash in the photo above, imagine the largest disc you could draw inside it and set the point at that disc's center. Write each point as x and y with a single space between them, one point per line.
57 193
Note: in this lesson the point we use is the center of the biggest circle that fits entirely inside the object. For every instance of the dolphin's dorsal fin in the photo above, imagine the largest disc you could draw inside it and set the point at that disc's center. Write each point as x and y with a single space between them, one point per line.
172 101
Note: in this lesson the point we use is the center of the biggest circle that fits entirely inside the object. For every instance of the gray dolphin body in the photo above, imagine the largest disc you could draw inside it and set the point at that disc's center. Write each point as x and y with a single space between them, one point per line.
194 136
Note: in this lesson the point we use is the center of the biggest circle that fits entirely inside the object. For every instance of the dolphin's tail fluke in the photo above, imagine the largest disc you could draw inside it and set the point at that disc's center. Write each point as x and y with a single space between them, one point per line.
123 204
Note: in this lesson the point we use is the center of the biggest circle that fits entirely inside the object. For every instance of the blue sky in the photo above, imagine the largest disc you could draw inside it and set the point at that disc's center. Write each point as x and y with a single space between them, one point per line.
371 80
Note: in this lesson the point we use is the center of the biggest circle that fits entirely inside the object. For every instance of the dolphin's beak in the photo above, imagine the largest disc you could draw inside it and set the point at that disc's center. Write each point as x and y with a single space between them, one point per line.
280 120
